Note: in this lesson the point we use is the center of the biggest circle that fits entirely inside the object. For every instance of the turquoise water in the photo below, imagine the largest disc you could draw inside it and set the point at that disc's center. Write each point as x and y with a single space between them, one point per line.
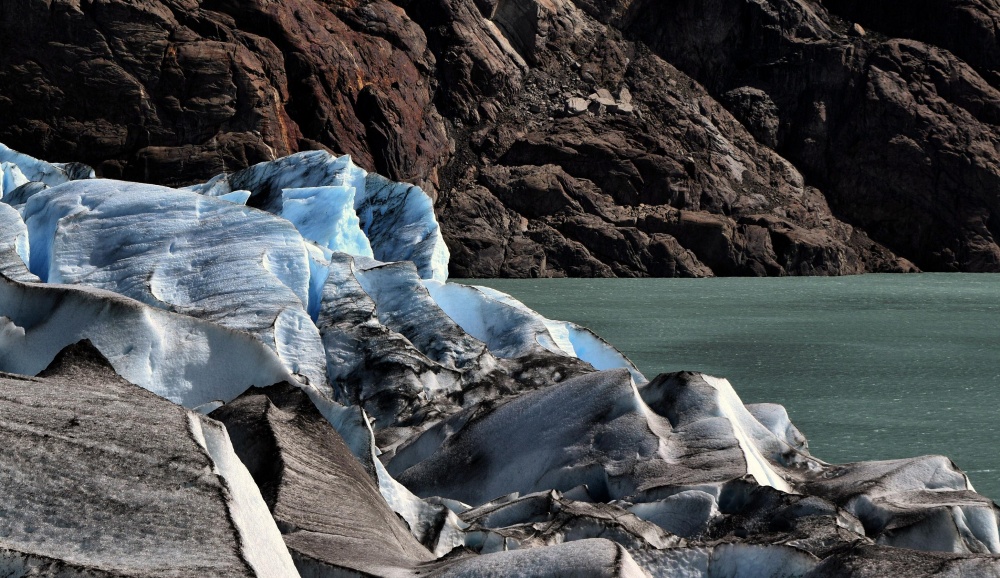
869 367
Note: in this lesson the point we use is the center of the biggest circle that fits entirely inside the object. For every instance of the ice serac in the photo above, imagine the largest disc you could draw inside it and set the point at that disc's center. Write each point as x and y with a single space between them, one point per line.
183 252
697 404
391 349
397 218
370 364
507 330
11 178
88 493
325 215
186 360
405 306
14 246
21 167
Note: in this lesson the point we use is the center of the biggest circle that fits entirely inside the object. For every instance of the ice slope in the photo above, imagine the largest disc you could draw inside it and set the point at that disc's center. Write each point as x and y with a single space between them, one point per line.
921 503
186 360
20 195
511 329
259 539
183 252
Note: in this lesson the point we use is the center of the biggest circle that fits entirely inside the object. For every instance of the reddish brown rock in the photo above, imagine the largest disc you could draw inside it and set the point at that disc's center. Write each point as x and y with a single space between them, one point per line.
831 153
173 91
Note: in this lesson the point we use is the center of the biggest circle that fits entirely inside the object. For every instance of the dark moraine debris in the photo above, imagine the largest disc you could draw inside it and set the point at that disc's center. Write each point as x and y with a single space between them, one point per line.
102 478
592 558
327 506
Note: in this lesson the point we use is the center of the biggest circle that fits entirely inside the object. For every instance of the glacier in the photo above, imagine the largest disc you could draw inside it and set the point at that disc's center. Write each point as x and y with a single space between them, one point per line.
273 368
397 219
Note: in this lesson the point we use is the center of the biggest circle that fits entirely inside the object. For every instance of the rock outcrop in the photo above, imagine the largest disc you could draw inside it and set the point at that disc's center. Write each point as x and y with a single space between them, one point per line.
572 137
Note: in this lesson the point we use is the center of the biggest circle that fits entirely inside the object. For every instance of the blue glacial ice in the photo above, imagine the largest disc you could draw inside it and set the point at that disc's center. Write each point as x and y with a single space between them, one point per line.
397 219
325 215
19 166
14 245
183 252
206 255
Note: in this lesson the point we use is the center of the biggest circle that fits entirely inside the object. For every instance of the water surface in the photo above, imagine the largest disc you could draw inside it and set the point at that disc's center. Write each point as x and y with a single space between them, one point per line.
869 367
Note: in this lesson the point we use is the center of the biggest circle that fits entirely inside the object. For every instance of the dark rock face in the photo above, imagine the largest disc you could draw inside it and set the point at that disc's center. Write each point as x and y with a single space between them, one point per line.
583 138
900 134
150 90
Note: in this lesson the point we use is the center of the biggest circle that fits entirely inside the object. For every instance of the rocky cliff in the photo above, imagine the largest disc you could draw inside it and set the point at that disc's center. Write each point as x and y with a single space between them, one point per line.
558 137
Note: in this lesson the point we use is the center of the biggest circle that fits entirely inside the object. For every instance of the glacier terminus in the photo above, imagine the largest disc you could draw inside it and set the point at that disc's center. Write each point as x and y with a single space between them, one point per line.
269 374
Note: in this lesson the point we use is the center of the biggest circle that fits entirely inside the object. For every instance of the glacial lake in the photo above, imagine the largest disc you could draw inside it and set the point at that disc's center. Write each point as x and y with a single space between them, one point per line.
869 367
